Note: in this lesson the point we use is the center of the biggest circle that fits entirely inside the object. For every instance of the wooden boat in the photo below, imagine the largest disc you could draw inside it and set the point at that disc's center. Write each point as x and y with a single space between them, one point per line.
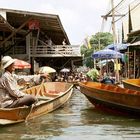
74 83
51 95
112 97
132 84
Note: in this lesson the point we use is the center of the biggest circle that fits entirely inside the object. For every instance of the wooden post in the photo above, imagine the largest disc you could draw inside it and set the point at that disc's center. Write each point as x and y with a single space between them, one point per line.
28 46
134 64
115 40
128 61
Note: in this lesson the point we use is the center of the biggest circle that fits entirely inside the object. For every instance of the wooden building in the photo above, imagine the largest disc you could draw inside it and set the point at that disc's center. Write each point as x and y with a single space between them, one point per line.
36 38
134 54
132 36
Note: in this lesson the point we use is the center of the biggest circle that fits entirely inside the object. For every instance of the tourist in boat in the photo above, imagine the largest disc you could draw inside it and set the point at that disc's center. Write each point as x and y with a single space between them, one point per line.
10 95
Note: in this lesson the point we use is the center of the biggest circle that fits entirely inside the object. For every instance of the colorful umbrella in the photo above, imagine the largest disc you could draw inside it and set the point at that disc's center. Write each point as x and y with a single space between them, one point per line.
20 64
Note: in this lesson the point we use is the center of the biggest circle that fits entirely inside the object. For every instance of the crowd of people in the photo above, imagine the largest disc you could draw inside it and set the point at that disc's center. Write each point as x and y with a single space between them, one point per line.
92 74
70 77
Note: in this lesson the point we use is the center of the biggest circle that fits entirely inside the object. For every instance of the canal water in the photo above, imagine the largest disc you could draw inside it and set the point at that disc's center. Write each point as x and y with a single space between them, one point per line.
76 120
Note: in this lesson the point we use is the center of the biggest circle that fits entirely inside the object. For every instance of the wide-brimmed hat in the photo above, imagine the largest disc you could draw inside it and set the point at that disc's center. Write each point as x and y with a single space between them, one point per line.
7 61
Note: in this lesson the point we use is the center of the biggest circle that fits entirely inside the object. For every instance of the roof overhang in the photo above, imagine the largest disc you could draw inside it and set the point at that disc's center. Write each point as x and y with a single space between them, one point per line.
133 33
135 44
4 25
49 24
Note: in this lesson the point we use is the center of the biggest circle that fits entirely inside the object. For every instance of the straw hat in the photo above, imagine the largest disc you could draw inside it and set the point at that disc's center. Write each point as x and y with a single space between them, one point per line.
7 61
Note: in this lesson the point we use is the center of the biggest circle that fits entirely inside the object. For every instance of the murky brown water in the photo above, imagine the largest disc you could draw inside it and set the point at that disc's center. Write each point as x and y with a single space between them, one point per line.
77 120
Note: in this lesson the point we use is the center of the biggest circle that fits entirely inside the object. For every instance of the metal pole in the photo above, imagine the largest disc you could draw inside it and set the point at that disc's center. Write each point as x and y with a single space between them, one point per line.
114 39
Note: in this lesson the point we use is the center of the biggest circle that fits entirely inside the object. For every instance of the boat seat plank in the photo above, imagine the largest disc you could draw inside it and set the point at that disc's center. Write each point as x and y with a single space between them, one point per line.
44 98
40 102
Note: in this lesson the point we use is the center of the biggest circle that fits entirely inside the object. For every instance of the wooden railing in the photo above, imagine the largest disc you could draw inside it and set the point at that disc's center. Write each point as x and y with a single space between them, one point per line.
48 51
56 50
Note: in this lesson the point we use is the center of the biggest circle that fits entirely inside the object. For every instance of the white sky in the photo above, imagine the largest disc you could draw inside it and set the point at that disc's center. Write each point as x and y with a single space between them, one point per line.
80 18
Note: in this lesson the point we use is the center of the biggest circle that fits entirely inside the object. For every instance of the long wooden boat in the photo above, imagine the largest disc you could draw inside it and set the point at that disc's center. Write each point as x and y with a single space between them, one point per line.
51 95
112 97
74 83
132 84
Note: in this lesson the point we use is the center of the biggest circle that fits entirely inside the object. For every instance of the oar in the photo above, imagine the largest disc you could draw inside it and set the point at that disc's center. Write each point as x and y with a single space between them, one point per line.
31 108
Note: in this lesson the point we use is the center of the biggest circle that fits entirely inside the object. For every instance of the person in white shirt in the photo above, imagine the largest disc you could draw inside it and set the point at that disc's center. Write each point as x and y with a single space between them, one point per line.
10 95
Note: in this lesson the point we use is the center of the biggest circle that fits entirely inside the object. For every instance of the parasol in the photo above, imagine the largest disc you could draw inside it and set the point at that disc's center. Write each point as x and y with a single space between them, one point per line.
117 46
46 69
20 64
65 70
107 54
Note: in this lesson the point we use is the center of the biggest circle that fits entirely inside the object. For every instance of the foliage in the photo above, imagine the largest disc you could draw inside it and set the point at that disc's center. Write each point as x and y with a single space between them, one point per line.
83 49
98 41
87 57
104 38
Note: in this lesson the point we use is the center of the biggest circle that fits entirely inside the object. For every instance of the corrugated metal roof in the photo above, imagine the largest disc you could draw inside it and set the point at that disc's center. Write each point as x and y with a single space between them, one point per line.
50 25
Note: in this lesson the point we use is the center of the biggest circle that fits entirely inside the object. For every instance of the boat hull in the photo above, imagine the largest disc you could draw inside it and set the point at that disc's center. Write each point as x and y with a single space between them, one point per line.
133 84
48 102
112 97
51 105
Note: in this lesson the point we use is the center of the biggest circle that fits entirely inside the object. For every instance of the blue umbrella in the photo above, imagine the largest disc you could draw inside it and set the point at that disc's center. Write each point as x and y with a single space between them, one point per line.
117 46
107 54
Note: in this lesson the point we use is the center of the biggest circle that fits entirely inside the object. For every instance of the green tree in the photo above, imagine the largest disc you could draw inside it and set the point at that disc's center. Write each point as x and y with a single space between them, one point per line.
102 38
98 41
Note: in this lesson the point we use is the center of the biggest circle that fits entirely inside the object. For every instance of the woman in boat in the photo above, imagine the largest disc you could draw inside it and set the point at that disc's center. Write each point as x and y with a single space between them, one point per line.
10 95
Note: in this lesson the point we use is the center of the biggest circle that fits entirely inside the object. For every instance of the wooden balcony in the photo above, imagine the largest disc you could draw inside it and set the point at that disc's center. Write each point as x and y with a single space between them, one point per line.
56 51
46 51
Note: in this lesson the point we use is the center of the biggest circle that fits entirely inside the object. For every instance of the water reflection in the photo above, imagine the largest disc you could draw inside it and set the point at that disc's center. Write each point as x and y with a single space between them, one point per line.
77 120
